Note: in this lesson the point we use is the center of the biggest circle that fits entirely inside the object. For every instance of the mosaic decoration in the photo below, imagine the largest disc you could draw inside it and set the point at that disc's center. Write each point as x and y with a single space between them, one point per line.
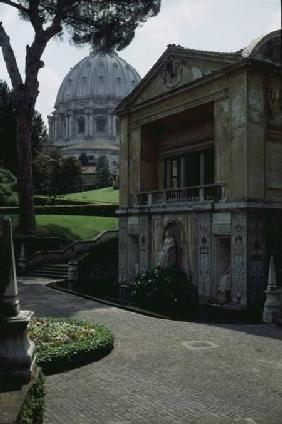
239 259
256 258
204 264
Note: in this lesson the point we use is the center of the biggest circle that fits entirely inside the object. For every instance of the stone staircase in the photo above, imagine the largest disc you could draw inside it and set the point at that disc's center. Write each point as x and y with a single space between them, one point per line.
56 271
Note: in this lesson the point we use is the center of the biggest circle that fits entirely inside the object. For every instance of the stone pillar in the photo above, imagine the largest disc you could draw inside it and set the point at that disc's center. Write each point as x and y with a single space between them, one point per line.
90 125
183 172
22 264
16 350
72 273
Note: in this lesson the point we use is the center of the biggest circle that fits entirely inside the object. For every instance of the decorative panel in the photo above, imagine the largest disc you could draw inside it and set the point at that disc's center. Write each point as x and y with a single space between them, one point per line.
204 261
239 259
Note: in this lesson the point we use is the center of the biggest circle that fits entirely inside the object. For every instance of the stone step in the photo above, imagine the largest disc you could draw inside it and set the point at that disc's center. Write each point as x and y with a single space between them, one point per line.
47 274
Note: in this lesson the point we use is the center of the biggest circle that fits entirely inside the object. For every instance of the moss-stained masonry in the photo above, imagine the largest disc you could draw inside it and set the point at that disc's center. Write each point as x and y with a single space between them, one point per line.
201 155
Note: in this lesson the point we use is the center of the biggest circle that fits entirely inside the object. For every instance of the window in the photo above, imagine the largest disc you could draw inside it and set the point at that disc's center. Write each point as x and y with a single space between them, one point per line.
101 124
198 169
81 125
172 173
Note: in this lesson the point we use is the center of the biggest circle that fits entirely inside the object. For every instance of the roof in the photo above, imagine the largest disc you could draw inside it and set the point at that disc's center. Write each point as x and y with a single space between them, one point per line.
101 74
229 59
85 145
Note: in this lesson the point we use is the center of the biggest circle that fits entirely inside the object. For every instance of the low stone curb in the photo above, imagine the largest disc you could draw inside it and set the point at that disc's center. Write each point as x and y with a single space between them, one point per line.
141 311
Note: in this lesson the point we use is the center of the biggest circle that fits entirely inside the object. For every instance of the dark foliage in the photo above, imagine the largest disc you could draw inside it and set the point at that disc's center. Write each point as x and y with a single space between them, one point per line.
8 130
103 176
33 408
55 175
8 185
98 271
164 290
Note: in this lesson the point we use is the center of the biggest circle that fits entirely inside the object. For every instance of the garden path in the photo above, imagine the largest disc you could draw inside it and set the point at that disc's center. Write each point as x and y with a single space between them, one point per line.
163 371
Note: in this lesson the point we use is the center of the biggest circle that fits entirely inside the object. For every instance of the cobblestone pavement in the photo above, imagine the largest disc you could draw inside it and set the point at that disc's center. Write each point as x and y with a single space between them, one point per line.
163 371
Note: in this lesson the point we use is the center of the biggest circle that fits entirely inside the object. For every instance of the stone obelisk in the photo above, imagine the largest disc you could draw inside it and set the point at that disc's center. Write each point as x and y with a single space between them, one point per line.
16 350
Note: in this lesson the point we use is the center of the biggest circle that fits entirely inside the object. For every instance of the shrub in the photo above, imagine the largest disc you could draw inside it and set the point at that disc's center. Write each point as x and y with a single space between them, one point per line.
33 406
164 290
61 343
8 183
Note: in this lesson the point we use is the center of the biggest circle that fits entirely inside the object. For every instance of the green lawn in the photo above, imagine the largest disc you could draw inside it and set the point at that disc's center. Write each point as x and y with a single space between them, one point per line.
103 195
74 227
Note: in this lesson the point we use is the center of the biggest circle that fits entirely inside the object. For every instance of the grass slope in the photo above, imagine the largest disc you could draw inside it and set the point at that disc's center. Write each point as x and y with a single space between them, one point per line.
74 227
103 195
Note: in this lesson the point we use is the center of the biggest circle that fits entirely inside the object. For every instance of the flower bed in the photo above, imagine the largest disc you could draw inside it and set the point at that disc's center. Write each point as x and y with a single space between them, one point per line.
62 344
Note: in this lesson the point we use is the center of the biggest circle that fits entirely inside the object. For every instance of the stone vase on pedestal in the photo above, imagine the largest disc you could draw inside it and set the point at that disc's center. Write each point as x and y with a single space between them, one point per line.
272 305
16 350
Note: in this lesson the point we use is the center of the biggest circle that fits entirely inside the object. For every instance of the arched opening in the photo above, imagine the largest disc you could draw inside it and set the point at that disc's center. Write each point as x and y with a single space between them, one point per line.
172 249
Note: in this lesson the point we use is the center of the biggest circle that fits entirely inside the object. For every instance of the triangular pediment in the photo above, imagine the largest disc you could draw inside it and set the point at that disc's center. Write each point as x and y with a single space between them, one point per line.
176 67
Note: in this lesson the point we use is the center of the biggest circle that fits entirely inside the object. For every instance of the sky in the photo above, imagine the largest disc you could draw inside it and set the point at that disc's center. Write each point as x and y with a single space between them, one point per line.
219 25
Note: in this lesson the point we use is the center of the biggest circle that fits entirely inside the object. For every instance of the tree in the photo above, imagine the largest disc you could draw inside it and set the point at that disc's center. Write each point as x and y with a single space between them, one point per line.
8 130
55 175
103 176
71 175
111 22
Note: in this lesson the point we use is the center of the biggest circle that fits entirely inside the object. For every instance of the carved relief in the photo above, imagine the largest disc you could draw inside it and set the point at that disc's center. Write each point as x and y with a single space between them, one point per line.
172 73
256 258
274 102
204 263
239 259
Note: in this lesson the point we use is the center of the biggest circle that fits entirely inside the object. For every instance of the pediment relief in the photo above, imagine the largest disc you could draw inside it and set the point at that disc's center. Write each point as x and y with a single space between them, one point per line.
174 72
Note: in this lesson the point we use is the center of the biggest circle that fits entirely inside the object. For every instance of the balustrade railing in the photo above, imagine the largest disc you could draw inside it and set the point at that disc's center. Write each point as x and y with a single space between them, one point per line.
208 192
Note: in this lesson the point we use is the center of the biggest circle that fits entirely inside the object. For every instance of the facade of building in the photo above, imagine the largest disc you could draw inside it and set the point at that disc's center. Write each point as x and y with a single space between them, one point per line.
84 122
201 153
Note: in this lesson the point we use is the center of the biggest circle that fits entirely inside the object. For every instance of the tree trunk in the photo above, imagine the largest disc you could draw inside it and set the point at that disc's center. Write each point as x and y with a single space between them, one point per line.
25 183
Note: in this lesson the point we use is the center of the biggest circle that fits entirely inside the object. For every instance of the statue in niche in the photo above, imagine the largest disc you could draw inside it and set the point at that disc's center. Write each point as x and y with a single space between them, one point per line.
167 256
224 287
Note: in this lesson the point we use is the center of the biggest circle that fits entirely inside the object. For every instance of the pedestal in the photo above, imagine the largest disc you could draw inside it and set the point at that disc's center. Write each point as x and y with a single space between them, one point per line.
16 350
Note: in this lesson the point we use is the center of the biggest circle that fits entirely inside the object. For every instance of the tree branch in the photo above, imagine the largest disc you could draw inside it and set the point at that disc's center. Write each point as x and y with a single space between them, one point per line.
16 5
9 57
35 19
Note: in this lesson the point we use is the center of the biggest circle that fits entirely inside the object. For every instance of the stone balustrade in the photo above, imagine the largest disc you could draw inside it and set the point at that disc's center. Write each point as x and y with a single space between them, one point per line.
201 193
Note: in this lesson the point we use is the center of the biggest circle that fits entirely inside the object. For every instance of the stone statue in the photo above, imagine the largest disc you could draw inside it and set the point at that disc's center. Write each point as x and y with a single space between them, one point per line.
224 287
167 256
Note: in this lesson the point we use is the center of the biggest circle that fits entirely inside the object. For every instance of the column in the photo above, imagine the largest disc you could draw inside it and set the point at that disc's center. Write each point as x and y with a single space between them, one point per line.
183 171
109 129
91 125
202 176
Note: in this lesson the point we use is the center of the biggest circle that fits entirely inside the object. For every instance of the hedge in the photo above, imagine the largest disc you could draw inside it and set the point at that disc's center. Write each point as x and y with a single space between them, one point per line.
57 350
88 209
33 407
40 200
